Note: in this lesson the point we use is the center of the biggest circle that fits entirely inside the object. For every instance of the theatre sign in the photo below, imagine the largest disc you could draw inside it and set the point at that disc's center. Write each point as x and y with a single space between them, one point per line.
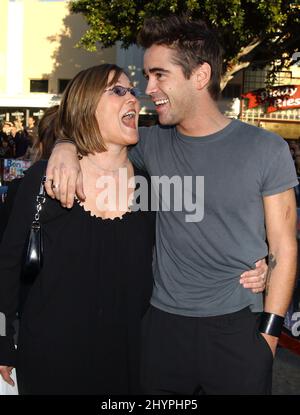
284 97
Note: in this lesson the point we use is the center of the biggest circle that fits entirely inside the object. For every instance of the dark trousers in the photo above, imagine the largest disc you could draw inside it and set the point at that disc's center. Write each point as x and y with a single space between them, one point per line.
222 355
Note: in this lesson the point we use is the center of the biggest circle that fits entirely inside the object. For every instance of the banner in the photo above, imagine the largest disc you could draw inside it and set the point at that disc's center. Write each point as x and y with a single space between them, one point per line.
283 97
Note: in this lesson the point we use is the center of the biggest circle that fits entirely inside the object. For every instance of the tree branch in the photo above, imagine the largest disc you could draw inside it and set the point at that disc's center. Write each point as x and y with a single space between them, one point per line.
230 72
247 49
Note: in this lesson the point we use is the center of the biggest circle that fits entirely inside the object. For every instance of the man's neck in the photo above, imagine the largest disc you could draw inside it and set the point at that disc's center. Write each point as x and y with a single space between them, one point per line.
206 120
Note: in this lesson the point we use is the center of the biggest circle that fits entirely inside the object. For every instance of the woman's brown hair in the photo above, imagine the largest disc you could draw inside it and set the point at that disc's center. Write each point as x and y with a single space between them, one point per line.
43 145
76 117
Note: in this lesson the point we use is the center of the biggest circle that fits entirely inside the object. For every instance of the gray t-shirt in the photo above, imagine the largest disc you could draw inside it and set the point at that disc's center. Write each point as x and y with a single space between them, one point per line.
197 264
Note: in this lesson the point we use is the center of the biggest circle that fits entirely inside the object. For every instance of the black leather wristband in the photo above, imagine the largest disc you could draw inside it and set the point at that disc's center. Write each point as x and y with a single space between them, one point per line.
271 324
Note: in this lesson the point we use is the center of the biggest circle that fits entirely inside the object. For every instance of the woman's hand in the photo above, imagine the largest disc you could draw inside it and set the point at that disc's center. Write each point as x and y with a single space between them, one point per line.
255 279
63 175
5 372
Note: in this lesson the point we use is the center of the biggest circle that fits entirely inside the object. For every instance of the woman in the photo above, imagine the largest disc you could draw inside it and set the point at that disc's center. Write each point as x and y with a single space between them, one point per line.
80 328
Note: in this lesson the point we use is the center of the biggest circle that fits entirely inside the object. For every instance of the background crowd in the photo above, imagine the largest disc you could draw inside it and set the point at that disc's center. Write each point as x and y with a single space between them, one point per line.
17 141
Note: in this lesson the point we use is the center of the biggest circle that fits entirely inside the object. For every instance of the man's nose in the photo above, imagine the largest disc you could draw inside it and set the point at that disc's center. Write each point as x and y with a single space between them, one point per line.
151 86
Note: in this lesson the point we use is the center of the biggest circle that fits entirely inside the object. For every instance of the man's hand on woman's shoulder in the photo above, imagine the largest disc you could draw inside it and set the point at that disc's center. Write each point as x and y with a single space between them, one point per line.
63 175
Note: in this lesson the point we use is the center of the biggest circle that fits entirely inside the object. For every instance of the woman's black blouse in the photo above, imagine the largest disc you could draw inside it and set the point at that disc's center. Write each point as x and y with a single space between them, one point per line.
80 329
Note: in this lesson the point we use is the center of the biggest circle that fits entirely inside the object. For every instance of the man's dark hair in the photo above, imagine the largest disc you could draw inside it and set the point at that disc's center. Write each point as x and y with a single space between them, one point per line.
193 42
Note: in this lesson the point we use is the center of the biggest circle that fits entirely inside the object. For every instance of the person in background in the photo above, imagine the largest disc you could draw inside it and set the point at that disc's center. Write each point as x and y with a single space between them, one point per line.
32 134
31 128
7 143
21 138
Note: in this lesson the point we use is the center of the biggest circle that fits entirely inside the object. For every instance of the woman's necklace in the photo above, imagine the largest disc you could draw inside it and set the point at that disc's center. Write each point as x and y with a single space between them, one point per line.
108 170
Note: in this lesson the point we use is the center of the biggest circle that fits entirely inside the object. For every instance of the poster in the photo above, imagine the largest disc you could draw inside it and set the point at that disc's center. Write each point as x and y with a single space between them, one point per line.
14 169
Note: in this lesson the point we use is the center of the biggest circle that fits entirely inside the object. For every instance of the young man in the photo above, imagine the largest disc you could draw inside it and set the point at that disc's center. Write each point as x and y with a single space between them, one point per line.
201 333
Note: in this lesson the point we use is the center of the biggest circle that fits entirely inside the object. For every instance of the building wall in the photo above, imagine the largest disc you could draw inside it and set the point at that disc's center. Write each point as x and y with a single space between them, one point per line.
288 130
283 122
3 42
38 39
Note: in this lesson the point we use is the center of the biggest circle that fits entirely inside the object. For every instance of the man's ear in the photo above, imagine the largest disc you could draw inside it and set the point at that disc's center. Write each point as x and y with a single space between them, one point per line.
202 75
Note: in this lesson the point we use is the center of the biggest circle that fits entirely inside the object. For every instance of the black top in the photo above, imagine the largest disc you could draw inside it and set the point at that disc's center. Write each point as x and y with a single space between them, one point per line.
21 142
7 145
80 329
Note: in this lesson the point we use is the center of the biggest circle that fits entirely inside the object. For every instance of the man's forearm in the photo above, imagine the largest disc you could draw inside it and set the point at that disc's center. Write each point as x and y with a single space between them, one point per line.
64 176
281 277
280 218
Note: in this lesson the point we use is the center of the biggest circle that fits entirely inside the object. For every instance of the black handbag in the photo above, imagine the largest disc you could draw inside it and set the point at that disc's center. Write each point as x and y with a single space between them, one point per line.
33 249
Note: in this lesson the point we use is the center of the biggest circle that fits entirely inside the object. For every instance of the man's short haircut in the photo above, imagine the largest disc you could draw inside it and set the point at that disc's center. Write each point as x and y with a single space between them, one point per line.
76 116
193 42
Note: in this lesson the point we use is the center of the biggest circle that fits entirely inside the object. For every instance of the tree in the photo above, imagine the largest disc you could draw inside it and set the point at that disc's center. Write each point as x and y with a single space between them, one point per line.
252 32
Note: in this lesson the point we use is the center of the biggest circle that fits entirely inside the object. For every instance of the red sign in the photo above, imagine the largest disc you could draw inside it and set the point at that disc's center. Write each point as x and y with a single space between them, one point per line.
277 98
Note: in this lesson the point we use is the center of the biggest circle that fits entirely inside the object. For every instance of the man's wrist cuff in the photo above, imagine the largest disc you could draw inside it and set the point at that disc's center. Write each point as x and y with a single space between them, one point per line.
271 324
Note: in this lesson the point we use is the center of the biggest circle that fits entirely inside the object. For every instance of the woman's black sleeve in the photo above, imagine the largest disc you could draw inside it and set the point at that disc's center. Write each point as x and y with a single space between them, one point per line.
11 255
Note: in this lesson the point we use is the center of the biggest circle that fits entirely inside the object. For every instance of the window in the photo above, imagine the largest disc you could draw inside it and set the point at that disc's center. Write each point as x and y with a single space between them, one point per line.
62 83
256 78
39 85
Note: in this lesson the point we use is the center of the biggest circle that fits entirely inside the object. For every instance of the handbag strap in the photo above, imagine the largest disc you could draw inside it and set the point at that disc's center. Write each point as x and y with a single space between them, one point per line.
40 200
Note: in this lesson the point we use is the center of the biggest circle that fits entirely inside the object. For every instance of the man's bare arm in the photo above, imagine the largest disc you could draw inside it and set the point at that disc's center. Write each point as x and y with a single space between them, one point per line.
281 217
63 171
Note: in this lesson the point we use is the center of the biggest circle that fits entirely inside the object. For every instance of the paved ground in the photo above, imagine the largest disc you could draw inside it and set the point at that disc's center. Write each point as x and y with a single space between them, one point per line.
286 373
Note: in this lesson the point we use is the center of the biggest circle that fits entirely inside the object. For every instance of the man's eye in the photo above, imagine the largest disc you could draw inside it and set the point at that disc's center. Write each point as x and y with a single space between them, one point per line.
158 75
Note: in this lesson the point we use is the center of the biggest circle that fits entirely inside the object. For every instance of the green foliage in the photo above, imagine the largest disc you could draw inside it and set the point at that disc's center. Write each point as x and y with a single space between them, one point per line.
274 23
